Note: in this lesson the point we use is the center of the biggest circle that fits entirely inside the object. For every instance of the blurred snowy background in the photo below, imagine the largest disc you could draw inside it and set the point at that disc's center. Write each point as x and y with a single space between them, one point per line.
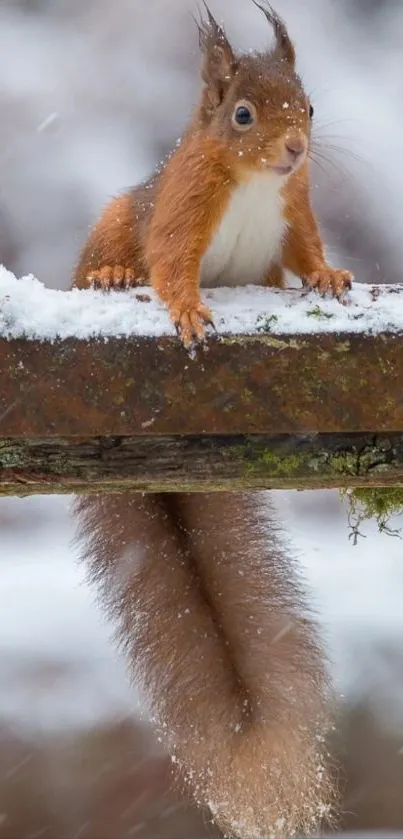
91 96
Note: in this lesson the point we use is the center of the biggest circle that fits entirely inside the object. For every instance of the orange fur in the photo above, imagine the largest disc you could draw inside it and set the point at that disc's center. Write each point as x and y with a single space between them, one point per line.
275 277
117 241
201 173
303 251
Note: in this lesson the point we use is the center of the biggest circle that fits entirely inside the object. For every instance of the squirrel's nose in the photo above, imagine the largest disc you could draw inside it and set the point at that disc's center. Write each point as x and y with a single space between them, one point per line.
295 147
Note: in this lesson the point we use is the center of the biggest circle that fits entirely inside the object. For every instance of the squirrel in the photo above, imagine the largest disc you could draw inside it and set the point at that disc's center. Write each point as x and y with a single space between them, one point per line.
209 605
232 204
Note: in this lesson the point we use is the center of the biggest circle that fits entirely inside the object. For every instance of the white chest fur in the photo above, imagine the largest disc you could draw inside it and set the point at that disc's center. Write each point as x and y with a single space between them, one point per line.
249 236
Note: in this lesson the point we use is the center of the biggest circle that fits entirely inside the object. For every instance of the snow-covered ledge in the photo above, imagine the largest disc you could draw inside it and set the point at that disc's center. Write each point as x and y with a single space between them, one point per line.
29 309
293 390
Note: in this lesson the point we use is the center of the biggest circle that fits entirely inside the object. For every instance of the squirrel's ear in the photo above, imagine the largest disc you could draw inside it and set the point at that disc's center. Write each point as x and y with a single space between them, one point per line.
219 63
284 46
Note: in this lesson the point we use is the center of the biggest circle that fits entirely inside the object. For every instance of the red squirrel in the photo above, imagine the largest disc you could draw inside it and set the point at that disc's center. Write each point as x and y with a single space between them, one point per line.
209 606
231 205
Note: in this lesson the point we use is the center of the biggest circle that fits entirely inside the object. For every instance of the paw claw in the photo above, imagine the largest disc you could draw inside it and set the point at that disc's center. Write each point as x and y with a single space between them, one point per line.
112 278
190 322
330 281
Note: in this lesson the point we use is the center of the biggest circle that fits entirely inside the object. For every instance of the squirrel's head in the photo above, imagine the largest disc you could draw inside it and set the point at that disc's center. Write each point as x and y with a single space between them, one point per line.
255 102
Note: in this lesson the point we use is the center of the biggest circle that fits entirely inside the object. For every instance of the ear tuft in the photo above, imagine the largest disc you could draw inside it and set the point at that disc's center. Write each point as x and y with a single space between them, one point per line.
284 46
219 63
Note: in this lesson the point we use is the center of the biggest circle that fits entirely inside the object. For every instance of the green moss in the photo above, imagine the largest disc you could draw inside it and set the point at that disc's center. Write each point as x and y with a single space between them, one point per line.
343 463
342 347
319 313
291 464
265 323
10 456
282 464
264 338
373 503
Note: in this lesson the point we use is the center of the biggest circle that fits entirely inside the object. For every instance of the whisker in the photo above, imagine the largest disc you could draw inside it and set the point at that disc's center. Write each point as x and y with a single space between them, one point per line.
333 147
333 122
343 138
319 165
337 167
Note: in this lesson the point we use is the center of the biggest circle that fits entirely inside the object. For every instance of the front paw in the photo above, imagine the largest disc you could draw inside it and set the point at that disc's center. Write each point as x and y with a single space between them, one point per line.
190 319
329 281
114 277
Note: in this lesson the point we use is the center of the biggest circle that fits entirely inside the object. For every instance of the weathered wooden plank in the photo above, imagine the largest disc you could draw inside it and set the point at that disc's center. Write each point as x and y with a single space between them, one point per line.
259 384
192 463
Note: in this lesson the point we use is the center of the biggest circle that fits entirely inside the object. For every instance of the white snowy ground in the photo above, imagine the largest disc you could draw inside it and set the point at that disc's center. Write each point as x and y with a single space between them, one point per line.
358 593
58 666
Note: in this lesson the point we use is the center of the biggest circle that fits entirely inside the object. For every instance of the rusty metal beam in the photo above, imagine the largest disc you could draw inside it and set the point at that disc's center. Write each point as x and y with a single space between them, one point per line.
239 385
248 411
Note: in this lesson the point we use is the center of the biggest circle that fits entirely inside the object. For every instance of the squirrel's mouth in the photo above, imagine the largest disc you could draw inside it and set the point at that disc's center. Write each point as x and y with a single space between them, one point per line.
283 170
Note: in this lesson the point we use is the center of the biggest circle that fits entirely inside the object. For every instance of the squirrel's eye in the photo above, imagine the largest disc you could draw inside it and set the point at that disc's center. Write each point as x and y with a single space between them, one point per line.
311 111
244 115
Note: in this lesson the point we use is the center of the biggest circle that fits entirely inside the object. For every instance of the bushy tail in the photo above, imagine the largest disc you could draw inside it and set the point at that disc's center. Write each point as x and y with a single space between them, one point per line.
213 618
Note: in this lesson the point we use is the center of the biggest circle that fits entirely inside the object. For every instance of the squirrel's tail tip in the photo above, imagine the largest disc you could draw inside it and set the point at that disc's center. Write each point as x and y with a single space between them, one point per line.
267 787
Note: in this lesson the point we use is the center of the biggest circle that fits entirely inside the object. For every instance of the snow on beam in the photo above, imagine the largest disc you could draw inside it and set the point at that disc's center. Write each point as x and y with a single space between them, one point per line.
97 393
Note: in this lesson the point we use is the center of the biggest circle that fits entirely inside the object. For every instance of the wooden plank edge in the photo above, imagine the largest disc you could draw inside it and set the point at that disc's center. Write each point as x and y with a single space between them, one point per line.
195 463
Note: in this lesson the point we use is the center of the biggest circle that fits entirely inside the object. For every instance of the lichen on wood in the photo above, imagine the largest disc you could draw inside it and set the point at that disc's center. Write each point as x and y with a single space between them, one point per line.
198 462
